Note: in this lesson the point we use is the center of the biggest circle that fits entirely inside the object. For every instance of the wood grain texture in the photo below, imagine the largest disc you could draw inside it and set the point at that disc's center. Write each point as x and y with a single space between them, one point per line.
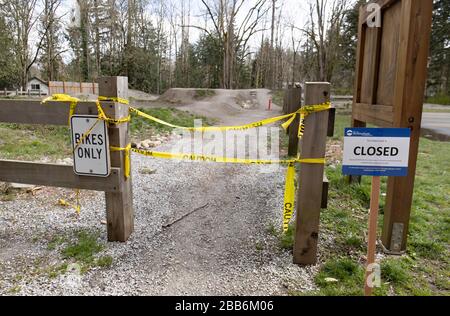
379 115
50 113
415 30
57 176
311 178
370 65
389 55
294 103
119 206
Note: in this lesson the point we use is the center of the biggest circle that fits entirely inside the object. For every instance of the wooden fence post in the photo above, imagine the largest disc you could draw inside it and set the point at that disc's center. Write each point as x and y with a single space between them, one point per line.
119 206
311 178
415 30
293 104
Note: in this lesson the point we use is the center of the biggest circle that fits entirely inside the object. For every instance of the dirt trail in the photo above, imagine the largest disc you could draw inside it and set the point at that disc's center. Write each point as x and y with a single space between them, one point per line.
230 107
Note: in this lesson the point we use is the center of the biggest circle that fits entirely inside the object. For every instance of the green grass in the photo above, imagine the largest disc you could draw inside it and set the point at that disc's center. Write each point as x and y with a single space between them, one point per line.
83 249
104 262
142 128
439 99
27 142
425 269
349 276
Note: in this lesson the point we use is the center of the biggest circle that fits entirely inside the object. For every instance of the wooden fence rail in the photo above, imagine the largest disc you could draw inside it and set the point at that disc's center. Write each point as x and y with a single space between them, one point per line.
119 203
29 93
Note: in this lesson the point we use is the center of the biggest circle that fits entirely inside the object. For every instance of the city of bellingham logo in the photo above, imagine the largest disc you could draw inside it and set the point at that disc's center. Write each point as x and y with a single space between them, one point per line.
350 133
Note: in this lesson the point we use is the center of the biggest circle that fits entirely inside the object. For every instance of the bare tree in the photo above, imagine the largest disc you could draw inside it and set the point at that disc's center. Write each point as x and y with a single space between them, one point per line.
49 29
324 32
24 16
272 45
223 14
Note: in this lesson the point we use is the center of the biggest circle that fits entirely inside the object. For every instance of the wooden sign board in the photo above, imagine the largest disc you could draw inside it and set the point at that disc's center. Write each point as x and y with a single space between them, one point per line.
391 73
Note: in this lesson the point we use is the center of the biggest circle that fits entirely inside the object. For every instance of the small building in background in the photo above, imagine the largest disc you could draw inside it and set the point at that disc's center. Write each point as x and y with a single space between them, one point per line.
37 86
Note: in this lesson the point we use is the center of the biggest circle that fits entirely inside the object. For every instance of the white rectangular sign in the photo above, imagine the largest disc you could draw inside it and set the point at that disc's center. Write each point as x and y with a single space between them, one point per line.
91 146
376 151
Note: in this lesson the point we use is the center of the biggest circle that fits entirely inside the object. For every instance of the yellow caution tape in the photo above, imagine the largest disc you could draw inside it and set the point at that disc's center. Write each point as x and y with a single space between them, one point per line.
85 135
303 112
302 127
289 197
127 158
76 207
112 99
213 128
216 159
64 98
102 116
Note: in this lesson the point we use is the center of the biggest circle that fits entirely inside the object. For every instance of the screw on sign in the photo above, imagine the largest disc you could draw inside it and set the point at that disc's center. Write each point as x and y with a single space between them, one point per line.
375 152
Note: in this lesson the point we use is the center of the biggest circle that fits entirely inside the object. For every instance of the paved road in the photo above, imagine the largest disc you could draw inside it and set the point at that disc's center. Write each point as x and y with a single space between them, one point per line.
436 125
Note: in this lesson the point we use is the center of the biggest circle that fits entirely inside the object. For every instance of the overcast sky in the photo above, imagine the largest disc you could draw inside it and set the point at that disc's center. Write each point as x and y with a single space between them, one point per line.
292 11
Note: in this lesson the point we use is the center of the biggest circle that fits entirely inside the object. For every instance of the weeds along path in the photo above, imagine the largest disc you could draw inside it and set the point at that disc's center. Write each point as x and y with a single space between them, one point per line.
201 229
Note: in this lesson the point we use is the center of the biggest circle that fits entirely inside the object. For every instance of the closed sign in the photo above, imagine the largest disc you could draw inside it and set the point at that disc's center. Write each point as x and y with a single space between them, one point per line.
91 146
376 151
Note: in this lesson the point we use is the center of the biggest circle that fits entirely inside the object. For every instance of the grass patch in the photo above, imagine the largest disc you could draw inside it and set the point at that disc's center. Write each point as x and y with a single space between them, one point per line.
425 269
347 277
56 271
439 99
84 249
142 128
394 271
287 239
204 93
104 262
29 142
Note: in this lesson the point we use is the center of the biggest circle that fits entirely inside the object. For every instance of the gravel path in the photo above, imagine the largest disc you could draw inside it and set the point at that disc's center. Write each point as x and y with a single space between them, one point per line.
224 248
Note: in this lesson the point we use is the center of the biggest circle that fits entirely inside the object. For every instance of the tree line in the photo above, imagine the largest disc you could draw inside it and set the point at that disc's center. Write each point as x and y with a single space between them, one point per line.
161 44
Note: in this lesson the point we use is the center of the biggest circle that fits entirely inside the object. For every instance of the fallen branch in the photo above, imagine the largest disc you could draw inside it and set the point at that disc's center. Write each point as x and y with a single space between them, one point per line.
188 214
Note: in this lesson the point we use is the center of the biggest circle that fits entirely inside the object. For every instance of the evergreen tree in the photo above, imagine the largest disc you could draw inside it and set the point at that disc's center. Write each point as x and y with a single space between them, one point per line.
9 69
439 72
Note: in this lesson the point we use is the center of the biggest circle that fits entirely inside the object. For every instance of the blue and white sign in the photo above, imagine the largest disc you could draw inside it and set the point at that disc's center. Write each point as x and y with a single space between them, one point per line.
376 152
